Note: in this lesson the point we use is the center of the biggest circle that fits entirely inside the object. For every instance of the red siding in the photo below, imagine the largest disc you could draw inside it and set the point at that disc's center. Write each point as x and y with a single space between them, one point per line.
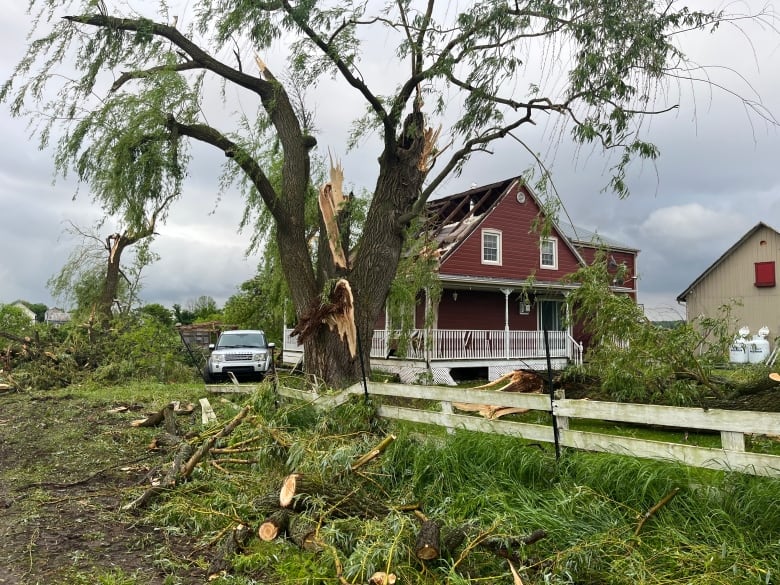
520 246
477 309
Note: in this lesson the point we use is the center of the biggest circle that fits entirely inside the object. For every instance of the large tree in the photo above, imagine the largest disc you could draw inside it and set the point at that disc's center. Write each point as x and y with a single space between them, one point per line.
127 92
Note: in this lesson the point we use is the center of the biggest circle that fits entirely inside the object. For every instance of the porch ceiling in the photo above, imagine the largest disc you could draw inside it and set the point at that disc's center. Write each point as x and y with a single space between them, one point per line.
481 283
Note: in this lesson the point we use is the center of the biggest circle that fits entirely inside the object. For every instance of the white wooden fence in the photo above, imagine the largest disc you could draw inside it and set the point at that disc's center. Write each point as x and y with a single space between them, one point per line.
732 425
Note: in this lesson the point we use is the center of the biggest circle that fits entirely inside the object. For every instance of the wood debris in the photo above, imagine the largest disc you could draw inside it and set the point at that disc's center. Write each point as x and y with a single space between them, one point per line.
515 381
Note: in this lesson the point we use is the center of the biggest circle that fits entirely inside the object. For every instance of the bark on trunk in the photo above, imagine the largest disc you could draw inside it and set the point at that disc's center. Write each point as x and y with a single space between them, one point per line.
428 544
371 270
303 532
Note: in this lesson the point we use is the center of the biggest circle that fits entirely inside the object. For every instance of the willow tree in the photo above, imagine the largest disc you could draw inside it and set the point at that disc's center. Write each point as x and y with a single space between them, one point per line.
116 80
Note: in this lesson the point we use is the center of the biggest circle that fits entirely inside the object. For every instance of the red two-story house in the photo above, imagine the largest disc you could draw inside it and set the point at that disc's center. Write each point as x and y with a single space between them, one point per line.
502 287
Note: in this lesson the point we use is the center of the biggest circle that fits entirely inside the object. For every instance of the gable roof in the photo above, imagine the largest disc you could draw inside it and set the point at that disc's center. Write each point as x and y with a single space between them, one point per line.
451 219
760 225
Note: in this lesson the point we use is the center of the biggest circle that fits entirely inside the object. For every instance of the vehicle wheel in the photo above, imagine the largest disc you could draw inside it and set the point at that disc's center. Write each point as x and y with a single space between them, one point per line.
207 377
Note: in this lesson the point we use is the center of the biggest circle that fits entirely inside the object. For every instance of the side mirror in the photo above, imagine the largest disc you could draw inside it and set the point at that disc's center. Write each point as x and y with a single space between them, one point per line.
271 345
211 346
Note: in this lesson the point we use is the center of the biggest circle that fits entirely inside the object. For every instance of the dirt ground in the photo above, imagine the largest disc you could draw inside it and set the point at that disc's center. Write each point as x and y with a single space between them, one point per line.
66 467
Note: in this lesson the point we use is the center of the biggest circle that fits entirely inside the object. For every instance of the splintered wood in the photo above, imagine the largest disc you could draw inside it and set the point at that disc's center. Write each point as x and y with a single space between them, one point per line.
332 201
338 313
516 381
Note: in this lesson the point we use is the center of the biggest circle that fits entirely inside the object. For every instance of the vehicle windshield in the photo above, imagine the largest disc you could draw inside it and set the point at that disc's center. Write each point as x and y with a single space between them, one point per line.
241 340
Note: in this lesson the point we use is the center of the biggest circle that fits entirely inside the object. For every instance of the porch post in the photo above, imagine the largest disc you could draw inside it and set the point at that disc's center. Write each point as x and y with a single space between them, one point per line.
507 292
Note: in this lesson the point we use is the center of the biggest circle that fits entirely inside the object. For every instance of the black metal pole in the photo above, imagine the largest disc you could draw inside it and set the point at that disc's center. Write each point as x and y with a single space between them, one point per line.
552 393
189 351
362 365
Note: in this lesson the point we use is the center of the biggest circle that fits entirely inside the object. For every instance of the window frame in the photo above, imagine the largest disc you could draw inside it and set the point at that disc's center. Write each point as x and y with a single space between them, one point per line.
498 236
554 242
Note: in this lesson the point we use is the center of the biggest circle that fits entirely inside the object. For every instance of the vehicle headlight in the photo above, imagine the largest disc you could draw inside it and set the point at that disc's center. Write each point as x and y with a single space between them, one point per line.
259 356
218 358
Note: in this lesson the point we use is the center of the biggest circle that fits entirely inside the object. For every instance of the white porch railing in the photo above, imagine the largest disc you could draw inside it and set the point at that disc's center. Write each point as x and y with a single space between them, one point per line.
468 344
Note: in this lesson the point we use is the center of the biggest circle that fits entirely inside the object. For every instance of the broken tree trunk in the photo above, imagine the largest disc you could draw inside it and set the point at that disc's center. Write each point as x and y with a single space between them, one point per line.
274 525
300 492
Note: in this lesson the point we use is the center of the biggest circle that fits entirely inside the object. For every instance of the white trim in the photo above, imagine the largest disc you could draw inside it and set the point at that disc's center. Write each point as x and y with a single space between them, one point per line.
554 265
498 236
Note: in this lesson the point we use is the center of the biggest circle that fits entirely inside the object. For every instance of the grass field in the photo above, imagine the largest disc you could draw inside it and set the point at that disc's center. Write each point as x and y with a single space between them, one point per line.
71 459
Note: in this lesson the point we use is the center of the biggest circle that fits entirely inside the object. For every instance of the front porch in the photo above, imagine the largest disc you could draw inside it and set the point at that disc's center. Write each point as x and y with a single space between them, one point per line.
440 351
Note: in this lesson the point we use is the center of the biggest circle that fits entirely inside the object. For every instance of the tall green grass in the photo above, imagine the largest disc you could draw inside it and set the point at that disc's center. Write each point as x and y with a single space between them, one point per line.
719 528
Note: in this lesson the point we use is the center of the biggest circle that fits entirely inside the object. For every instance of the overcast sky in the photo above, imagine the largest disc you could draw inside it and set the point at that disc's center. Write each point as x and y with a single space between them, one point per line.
718 175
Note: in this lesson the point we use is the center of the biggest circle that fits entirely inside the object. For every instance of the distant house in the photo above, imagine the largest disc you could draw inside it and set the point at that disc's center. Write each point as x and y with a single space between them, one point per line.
56 316
747 272
26 310
503 285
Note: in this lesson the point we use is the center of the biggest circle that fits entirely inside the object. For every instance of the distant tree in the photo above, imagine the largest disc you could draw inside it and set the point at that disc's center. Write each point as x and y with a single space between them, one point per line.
157 311
14 321
205 308
183 316
94 278
601 66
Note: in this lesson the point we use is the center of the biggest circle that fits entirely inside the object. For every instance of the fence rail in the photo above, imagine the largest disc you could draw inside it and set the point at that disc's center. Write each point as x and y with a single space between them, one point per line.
732 425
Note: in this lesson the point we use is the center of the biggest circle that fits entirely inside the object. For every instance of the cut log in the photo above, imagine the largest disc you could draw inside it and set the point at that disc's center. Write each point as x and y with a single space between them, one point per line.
301 492
382 578
275 525
428 544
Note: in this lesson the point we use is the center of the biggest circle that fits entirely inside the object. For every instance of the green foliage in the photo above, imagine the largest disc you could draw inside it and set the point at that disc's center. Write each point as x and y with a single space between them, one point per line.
13 320
637 360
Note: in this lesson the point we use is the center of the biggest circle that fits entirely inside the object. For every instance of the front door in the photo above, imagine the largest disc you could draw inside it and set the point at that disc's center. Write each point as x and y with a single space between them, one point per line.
551 316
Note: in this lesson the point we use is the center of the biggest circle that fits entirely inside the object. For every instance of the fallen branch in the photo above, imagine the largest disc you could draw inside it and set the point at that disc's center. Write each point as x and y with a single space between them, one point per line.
180 471
183 452
652 511
206 446
373 454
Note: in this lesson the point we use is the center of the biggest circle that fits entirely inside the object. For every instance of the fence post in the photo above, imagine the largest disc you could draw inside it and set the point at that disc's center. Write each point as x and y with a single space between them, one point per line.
731 441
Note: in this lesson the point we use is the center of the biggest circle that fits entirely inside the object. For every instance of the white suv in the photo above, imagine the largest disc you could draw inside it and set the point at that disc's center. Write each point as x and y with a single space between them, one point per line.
245 352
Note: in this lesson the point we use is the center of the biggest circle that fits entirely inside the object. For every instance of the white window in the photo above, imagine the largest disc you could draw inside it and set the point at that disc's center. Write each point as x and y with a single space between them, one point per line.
548 253
491 247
